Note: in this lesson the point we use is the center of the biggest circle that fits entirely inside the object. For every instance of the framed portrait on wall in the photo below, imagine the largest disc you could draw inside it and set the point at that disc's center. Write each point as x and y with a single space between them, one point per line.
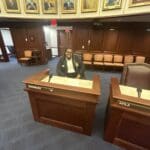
111 4
12 6
31 6
68 6
133 3
49 6
89 5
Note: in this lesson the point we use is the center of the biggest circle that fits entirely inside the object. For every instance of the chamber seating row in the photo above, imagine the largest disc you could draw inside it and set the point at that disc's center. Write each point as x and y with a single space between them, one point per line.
103 59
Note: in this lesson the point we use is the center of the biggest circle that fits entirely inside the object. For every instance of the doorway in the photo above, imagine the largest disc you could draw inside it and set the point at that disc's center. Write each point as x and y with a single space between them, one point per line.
51 43
7 46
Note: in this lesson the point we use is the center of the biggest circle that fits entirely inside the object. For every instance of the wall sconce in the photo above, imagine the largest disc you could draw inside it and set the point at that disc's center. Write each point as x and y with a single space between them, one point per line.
89 42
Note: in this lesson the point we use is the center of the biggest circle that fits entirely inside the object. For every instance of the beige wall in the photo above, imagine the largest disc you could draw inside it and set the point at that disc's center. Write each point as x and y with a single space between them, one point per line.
125 10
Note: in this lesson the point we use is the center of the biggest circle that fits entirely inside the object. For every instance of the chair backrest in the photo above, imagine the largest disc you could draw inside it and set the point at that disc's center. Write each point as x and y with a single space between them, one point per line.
140 59
128 59
28 53
87 57
108 57
98 57
118 58
136 75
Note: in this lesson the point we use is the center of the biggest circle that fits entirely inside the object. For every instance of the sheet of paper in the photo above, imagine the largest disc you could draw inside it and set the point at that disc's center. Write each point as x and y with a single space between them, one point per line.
69 81
127 90
145 94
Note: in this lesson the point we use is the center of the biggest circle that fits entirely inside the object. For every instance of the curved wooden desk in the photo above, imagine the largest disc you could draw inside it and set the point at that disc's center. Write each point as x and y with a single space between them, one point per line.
127 121
64 106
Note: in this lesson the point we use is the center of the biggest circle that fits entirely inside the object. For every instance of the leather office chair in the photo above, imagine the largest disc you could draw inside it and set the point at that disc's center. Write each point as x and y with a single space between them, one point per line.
136 75
27 57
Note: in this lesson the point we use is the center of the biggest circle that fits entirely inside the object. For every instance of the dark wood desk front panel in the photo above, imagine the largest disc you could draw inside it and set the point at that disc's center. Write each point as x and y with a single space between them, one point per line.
73 110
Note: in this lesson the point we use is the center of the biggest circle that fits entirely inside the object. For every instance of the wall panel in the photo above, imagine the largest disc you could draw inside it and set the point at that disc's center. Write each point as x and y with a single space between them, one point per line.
127 38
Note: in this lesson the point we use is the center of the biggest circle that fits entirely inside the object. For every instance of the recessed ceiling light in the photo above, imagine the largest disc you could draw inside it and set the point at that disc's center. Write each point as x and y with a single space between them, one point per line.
148 30
111 29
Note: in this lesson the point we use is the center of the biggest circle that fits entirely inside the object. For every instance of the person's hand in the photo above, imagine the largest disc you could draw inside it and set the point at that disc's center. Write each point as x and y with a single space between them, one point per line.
78 76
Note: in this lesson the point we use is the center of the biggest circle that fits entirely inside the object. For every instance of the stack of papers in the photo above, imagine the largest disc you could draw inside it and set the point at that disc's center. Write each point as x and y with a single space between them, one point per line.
127 90
131 91
145 94
69 81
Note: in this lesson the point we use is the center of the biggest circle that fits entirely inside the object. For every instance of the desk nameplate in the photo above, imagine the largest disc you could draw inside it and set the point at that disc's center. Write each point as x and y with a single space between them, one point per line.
132 105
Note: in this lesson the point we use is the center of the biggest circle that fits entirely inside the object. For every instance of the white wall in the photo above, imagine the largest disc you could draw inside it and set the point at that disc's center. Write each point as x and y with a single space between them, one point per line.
51 39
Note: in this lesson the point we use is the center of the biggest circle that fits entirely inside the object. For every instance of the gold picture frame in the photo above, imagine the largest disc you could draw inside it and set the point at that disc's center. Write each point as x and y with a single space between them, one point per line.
49 6
89 5
134 3
68 6
31 6
12 6
112 4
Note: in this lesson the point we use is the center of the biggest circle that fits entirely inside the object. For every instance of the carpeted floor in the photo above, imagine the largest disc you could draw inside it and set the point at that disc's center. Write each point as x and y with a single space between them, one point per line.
18 130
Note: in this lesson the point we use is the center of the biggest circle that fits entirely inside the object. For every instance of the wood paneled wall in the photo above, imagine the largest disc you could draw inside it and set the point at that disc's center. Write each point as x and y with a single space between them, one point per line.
29 37
127 38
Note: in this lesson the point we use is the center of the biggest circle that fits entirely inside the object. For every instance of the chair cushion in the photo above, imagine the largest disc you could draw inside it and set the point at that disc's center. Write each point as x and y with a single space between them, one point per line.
108 64
87 62
97 63
24 58
118 64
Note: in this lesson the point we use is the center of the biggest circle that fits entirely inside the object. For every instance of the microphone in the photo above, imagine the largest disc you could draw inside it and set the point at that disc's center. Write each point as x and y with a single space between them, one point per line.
139 90
50 76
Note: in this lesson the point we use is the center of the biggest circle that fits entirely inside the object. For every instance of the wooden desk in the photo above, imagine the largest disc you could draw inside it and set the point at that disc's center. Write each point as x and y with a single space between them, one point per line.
64 106
127 121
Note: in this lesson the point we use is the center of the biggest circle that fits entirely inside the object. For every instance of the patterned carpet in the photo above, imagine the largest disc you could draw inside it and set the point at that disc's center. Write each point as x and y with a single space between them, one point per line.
18 130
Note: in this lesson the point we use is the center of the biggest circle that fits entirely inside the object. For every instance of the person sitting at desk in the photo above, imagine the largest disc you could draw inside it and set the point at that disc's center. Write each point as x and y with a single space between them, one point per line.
70 65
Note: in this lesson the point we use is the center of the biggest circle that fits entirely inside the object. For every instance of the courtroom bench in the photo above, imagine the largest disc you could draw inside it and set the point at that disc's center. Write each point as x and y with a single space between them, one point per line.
112 60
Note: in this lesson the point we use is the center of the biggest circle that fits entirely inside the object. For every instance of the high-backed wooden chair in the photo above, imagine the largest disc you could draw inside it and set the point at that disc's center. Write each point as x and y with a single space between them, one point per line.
87 58
128 59
139 59
118 60
98 59
108 59
27 57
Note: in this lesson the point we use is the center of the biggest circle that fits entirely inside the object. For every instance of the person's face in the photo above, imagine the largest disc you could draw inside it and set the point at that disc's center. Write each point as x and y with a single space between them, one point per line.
68 53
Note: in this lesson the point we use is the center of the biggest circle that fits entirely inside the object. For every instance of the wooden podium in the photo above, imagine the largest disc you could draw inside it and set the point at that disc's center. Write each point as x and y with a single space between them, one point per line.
63 102
127 121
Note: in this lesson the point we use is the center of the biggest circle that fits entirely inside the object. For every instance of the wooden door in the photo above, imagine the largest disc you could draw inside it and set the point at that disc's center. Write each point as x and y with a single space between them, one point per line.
110 40
64 41
96 40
